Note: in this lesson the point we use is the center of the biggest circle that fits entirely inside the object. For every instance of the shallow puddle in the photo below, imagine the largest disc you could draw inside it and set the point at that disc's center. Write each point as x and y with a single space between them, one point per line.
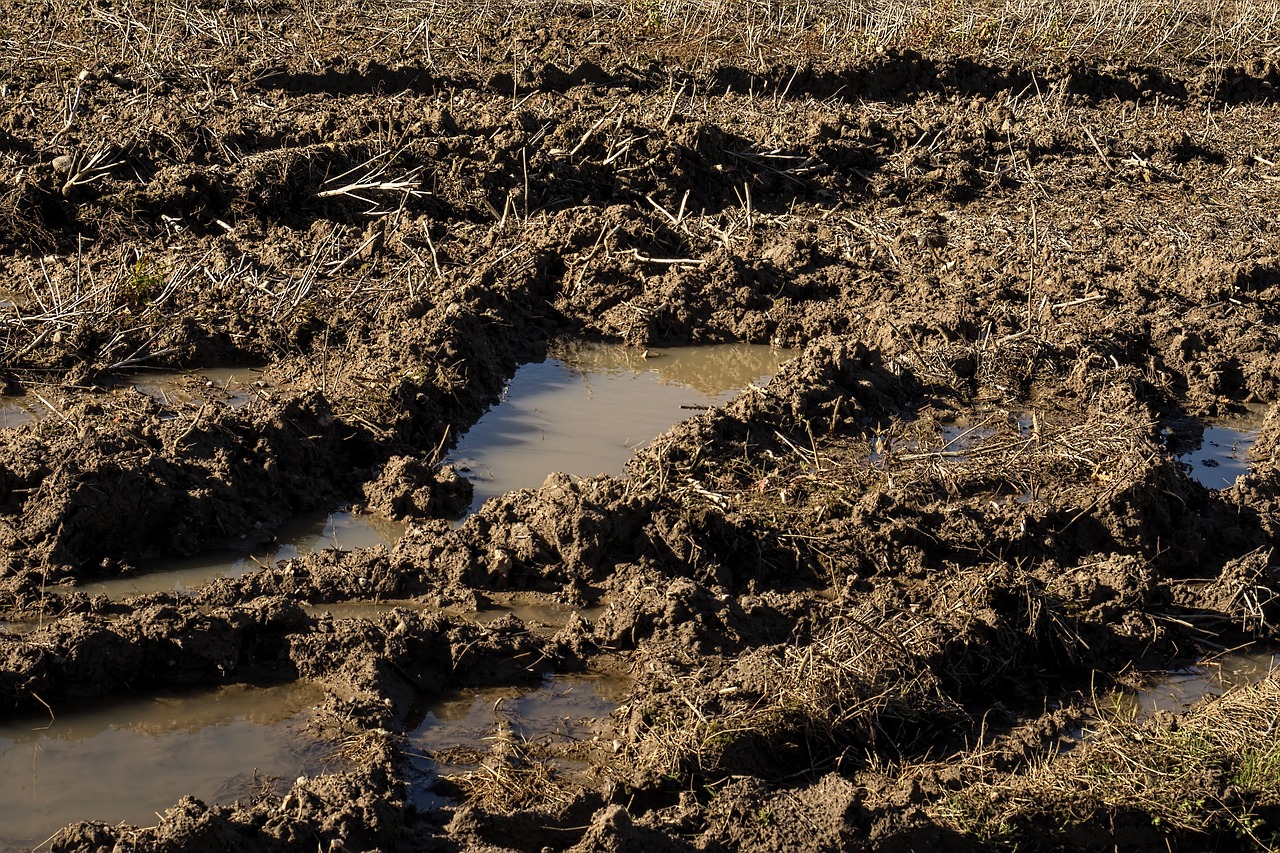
18 628
457 733
1221 454
304 535
951 441
128 761
231 386
1180 688
583 411
962 436
588 407
528 612
19 410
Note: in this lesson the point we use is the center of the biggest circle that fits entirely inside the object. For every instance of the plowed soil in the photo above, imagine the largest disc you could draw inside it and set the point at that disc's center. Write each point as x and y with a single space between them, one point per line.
879 604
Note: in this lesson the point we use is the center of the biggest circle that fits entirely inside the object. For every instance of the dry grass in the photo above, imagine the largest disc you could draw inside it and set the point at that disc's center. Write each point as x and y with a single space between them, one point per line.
1209 32
994 457
366 746
511 778
184 39
111 307
1208 772
126 302
860 687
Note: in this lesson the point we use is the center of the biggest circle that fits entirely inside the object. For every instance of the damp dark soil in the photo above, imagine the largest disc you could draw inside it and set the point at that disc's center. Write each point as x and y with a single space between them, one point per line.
268 262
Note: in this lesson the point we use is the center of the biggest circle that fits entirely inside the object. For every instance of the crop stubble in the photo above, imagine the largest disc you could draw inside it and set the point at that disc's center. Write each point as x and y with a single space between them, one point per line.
851 622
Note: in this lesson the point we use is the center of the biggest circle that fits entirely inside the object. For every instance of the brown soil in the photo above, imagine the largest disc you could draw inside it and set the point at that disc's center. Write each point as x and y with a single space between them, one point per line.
871 606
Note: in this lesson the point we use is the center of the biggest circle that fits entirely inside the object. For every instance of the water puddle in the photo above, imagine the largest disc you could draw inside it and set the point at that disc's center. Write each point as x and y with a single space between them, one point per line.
231 386
588 407
128 761
1219 455
560 715
530 611
19 410
1178 689
583 411
304 535
1223 455
952 441
960 436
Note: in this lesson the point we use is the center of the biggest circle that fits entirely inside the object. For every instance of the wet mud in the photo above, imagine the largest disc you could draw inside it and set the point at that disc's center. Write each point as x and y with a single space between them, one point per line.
122 762
264 264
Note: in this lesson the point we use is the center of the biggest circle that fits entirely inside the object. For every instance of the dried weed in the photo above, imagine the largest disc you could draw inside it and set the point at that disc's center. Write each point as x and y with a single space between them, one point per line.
1210 771
512 778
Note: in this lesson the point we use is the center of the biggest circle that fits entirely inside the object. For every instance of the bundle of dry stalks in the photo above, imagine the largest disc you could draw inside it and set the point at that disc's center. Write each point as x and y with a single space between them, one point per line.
511 778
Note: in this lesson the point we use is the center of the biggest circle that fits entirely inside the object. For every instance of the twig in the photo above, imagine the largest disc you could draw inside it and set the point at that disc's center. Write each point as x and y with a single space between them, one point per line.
591 131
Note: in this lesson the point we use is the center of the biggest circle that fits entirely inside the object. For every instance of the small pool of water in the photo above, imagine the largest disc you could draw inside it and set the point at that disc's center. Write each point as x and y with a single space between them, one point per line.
959 437
18 628
132 759
1181 688
588 407
1220 455
231 386
304 535
583 411
457 733
19 410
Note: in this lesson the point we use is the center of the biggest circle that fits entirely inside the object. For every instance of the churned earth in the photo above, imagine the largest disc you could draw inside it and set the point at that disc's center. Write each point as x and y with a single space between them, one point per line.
905 596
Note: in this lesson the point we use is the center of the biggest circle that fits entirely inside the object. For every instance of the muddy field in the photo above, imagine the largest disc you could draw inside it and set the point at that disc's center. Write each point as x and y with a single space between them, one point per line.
1020 264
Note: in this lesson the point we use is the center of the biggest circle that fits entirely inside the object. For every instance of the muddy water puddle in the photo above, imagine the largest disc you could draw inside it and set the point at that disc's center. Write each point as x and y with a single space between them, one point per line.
1220 454
559 718
232 387
18 410
304 535
1178 689
588 407
132 759
583 411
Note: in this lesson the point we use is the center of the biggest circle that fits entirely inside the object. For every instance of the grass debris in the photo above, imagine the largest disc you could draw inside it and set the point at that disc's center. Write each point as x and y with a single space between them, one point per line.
1207 776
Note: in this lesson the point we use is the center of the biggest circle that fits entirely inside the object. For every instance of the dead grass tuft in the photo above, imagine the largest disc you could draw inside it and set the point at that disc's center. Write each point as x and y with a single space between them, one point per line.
366 746
1210 771
511 778
861 686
